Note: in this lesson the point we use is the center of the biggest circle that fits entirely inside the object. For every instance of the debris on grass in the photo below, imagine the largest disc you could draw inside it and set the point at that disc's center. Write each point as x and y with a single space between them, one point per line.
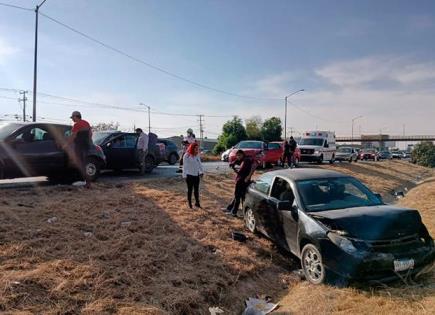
256 306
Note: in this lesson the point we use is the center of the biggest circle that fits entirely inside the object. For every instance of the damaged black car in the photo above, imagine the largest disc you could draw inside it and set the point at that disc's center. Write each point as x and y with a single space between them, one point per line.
337 227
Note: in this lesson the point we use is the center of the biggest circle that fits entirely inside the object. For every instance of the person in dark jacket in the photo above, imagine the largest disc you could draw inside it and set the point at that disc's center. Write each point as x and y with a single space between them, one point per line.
292 148
243 179
286 156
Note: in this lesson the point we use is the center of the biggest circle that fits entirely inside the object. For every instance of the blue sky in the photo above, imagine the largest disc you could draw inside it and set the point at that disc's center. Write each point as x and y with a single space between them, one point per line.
369 58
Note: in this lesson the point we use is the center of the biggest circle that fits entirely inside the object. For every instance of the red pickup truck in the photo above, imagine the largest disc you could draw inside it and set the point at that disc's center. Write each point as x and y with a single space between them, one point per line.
265 154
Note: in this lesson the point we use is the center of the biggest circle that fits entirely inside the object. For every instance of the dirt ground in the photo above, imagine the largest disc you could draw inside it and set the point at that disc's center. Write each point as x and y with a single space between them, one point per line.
137 249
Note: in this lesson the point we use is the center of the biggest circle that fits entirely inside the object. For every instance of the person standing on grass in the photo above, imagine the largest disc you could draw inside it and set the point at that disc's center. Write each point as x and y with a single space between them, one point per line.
187 140
192 172
142 149
81 138
243 180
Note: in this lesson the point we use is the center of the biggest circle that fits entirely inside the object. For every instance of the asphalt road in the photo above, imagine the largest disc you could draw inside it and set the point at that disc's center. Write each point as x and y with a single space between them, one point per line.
163 171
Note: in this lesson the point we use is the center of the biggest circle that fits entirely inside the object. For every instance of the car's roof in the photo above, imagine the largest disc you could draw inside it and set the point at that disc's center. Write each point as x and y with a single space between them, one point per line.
306 174
22 124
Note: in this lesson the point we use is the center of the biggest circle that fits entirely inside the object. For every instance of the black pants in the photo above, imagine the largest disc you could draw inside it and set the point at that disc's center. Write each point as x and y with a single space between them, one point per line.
192 186
239 196
288 156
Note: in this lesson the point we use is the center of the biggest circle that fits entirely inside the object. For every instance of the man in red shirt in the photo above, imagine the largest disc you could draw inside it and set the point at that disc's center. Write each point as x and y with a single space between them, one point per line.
81 137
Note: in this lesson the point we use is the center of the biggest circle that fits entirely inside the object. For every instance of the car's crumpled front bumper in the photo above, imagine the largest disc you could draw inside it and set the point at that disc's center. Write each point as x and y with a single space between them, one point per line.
373 266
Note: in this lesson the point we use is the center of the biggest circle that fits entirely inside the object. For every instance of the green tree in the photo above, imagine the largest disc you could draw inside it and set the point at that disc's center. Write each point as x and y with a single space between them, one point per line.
271 129
253 128
424 154
233 132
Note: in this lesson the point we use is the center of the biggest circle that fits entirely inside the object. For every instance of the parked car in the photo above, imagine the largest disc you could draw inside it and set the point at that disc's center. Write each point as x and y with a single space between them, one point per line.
384 155
396 155
263 153
368 154
121 152
225 155
337 227
35 149
171 151
348 154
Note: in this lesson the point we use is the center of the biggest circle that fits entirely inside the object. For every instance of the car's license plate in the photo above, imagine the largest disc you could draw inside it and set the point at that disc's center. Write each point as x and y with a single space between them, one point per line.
403 264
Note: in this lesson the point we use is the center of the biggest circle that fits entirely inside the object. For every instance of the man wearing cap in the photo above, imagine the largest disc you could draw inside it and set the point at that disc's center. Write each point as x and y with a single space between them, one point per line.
81 137
142 148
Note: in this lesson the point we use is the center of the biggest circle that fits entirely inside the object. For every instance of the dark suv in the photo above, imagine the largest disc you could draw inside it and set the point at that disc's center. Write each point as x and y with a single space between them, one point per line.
171 151
35 149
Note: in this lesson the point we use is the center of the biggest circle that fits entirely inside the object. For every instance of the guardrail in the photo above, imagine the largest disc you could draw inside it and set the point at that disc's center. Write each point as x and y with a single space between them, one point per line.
385 138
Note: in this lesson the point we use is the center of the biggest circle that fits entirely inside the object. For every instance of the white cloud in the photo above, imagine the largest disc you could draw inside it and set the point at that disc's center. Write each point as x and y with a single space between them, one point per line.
377 71
6 50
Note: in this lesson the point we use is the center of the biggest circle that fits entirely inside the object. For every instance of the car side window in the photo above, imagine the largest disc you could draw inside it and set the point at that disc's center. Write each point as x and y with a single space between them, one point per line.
282 190
130 141
34 134
263 183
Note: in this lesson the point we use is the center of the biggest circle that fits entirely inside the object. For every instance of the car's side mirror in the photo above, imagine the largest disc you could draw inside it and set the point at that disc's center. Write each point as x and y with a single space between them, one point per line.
108 145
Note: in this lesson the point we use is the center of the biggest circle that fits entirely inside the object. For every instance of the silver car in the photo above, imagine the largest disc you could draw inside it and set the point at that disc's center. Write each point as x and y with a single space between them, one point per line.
348 154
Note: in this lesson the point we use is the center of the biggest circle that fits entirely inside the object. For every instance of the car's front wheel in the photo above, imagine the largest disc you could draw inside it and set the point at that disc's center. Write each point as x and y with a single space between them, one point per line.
250 222
92 168
312 264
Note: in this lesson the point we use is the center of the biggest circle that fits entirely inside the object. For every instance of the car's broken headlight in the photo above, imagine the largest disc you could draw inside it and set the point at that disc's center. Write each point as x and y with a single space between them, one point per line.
341 241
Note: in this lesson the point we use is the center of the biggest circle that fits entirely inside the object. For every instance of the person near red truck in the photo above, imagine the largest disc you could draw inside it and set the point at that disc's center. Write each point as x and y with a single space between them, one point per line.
192 172
243 179
187 140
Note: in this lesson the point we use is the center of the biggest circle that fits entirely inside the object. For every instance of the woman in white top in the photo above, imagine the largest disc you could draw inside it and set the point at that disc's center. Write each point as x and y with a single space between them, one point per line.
192 171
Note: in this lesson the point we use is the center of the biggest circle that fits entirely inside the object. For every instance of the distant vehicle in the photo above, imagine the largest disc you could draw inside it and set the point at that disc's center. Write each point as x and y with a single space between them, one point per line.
384 155
318 146
347 154
296 154
263 153
120 149
406 154
35 149
338 228
368 154
171 151
396 155
225 155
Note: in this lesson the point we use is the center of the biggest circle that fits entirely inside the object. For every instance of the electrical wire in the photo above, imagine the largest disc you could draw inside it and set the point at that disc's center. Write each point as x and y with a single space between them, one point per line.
147 64
15 6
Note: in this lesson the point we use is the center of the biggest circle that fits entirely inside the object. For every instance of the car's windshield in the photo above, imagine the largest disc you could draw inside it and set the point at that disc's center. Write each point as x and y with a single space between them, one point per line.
6 129
250 145
99 137
311 141
335 193
345 150
369 151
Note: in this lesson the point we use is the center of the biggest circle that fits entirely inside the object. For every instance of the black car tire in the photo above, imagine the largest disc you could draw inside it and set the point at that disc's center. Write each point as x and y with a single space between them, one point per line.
173 158
149 165
2 171
312 265
350 160
92 168
320 160
250 221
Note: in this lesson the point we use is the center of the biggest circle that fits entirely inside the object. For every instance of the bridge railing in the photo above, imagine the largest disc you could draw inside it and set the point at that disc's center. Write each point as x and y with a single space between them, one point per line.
386 138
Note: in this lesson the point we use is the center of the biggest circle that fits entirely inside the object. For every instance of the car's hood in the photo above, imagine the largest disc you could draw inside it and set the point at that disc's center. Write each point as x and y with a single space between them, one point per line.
342 153
247 151
372 223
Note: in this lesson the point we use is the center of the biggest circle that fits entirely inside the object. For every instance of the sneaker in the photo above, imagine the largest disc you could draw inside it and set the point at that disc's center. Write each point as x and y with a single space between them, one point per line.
225 210
198 205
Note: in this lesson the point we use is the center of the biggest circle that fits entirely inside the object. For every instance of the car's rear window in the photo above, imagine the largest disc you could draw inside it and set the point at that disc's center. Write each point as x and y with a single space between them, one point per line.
250 145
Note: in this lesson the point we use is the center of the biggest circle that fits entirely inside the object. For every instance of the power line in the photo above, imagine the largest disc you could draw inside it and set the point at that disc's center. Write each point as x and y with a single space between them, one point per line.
15 6
157 68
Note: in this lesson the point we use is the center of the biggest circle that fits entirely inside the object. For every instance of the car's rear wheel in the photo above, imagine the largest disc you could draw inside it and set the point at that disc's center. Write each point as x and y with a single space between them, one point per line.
320 160
250 222
173 158
312 264
92 168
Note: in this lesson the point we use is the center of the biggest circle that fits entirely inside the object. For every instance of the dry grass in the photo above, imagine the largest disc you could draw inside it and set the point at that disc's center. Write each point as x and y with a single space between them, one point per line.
400 298
137 249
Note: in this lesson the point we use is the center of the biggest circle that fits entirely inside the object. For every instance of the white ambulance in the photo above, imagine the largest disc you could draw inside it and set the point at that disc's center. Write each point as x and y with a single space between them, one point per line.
317 146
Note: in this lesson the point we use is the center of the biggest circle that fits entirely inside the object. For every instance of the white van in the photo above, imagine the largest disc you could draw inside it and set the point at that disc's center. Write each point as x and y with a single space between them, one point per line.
318 146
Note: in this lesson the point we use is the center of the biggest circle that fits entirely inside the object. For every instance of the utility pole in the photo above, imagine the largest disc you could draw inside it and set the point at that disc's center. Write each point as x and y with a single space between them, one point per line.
201 128
24 99
35 60
285 114
353 121
149 116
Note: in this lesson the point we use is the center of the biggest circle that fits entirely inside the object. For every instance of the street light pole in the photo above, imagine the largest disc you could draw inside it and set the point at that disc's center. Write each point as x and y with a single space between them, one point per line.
353 120
35 60
149 116
285 117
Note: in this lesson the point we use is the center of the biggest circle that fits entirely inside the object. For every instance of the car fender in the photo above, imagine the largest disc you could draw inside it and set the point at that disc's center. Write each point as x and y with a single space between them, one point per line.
310 231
